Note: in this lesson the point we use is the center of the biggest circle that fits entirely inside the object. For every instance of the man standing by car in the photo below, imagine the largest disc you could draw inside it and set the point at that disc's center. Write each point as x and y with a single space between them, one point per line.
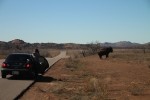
36 56
41 64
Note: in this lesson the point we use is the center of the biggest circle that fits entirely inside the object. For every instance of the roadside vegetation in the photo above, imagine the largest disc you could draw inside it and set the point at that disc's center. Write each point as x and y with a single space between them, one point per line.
123 76
43 52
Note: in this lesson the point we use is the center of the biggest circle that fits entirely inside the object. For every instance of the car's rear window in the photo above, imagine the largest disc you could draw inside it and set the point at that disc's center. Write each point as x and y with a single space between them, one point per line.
17 57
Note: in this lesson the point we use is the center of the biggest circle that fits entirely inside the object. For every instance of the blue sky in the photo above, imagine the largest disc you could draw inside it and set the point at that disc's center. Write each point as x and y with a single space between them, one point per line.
75 21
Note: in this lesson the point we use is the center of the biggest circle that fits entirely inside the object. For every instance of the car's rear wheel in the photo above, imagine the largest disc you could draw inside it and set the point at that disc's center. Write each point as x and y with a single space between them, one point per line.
3 75
35 75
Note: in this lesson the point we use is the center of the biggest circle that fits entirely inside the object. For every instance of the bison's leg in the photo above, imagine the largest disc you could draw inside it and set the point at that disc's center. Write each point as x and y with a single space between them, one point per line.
83 54
107 55
100 56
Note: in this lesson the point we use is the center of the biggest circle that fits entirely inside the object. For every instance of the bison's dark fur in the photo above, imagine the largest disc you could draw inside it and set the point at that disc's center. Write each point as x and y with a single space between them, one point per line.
105 51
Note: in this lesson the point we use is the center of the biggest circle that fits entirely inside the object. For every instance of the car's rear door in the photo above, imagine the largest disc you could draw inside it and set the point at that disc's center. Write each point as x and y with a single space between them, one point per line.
43 63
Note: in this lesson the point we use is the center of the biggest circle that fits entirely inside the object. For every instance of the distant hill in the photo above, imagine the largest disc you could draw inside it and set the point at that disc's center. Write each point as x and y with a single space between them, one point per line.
123 44
17 41
20 44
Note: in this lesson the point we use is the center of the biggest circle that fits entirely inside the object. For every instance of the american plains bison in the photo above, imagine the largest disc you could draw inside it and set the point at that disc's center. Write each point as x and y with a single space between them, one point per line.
105 51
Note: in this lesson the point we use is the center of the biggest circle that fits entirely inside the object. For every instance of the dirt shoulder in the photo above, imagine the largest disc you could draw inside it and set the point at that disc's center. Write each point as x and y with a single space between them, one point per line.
90 78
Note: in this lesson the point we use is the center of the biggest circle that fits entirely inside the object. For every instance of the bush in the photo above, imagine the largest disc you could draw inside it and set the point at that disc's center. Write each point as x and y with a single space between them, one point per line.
97 88
136 88
73 63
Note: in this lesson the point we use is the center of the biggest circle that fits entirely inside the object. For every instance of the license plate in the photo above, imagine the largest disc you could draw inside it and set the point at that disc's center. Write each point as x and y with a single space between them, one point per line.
15 72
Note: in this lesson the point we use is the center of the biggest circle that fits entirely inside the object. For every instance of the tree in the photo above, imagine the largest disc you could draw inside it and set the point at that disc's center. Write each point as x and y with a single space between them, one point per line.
94 47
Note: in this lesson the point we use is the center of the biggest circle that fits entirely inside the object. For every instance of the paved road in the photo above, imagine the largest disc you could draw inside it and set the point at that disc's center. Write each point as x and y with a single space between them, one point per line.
10 88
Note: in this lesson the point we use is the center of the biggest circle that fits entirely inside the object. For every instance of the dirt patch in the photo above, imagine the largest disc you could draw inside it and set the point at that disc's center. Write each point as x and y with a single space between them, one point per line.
94 79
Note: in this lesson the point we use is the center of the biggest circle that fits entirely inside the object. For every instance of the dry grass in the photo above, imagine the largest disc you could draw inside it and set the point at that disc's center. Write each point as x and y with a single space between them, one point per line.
73 64
97 88
49 53
136 88
2 56
74 54
123 76
131 55
43 52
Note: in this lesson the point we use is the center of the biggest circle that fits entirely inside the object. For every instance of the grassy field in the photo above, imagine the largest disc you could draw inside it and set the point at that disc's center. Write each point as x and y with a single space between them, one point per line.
43 52
123 76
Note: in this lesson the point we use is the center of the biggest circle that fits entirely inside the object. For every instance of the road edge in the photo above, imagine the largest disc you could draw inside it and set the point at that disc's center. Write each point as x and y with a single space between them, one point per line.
22 93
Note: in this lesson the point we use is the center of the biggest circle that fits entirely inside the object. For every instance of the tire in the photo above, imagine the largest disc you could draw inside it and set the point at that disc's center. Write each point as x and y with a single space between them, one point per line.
35 75
3 75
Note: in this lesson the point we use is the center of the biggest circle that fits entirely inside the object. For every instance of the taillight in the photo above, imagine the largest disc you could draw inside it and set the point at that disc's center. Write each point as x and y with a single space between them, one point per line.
4 65
28 65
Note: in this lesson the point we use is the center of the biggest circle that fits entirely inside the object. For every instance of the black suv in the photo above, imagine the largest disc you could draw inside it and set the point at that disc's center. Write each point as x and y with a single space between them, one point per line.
23 63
